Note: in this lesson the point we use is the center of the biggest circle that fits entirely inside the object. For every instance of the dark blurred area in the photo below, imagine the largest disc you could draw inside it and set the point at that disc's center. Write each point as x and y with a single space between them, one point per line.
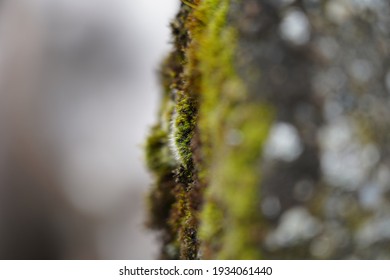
77 94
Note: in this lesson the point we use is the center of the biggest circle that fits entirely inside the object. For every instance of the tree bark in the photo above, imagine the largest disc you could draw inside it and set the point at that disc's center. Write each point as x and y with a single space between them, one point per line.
273 132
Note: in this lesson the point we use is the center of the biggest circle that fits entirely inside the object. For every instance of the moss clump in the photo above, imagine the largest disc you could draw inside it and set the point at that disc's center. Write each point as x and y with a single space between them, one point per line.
177 121
213 201
230 166
158 155
182 129
161 198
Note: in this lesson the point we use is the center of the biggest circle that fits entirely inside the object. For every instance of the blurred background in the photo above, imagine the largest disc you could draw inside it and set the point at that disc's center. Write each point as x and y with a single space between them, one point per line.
78 92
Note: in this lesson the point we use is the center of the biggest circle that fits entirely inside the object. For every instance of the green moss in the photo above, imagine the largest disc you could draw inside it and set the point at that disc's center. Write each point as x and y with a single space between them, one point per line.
183 128
161 198
235 182
158 155
216 177
189 4
217 108
160 160
212 228
230 170
178 110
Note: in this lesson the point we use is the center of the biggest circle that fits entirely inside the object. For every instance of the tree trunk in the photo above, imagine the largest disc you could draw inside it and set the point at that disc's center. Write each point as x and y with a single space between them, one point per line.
273 132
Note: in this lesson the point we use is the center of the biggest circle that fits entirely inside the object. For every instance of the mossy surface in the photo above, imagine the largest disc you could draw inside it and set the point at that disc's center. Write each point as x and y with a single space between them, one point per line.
177 121
239 85
211 136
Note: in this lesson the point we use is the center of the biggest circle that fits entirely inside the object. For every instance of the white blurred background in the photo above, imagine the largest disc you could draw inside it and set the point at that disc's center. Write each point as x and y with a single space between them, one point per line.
78 92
